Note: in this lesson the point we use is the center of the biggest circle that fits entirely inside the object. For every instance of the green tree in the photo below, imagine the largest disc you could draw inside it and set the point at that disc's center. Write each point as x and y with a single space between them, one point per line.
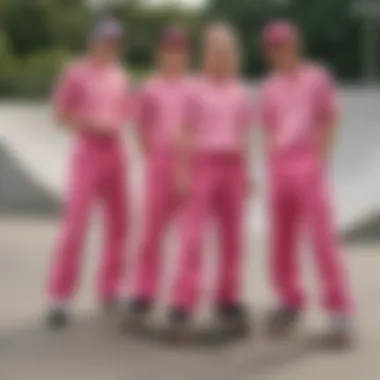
144 24
330 32
37 25
8 65
37 35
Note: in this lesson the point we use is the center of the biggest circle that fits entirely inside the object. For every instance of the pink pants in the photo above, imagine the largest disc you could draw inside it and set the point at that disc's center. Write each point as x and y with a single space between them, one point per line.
297 200
97 173
219 186
161 201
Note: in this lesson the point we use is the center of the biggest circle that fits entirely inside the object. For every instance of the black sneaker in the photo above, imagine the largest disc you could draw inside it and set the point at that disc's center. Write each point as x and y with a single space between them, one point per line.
233 321
340 335
109 307
283 321
178 329
57 319
136 313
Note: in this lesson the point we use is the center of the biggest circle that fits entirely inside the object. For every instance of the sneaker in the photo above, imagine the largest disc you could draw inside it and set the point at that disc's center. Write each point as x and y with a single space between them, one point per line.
57 318
109 307
177 330
340 334
233 321
136 313
283 321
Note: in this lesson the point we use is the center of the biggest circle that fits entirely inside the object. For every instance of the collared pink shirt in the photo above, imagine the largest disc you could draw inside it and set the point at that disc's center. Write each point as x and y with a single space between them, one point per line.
160 110
95 91
219 113
294 107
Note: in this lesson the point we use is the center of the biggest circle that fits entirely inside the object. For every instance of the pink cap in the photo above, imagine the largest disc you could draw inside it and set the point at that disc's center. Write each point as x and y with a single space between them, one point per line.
107 29
279 32
175 38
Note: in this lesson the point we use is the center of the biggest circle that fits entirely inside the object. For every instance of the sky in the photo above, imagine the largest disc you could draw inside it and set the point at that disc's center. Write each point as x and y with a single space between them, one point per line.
190 3
186 2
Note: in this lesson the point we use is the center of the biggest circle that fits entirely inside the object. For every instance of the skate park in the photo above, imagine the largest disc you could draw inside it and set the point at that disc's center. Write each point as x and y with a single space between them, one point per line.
34 153
36 39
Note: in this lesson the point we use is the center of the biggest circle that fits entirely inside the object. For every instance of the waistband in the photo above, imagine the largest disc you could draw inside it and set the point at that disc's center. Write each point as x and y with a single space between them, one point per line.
99 139
222 156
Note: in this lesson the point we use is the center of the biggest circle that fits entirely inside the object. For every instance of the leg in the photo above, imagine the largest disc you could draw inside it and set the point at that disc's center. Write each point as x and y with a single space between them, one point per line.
233 320
284 265
188 278
157 207
114 194
229 211
328 254
66 260
195 213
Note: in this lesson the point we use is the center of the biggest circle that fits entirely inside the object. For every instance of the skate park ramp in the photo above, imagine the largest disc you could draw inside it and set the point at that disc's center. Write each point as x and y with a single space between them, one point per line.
34 155
20 192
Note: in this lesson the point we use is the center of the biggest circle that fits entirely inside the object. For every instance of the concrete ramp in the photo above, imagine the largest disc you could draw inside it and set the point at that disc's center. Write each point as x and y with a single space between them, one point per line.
34 153
19 192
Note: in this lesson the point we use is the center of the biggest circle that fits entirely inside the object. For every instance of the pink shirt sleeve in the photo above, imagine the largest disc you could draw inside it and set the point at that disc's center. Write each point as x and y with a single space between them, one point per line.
266 111
191 110
129 103
327 99
246 115
66 93
144 110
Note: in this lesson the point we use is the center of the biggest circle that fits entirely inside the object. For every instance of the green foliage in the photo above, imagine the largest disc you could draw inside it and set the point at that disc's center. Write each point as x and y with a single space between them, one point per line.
330 32
36 74
36 25
37 36
144 26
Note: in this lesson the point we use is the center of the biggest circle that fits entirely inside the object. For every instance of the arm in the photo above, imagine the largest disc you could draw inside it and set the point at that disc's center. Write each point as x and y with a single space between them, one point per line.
266 119
144 114
183 148
328 114
65 99
68 118
328 138
130 102
246 122
184 144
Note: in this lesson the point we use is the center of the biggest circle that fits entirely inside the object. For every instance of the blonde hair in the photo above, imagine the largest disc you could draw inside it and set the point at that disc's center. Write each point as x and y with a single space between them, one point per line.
222 31
225 35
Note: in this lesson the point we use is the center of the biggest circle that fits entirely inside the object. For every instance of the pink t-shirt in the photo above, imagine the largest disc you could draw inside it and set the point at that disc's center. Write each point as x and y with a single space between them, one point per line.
219 115
294 107
98 92
160 110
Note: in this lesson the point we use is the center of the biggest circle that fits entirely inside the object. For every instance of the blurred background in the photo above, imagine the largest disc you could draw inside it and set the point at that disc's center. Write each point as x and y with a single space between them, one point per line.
37 39
37 36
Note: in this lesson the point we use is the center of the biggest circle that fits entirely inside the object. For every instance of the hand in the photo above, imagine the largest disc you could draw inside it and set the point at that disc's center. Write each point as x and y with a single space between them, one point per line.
94 125
101 127
250 187
76 122
182 183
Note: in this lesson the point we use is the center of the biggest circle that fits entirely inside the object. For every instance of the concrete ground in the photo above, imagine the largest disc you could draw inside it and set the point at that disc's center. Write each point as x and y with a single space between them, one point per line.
93 349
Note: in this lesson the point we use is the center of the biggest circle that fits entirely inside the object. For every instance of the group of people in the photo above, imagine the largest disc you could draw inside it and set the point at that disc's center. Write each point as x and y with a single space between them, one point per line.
194 134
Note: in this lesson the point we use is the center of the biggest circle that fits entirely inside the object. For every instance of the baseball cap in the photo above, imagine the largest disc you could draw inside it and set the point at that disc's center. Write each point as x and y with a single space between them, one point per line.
279 32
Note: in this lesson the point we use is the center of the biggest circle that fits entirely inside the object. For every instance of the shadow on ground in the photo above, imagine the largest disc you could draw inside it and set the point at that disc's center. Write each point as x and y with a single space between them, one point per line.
93 349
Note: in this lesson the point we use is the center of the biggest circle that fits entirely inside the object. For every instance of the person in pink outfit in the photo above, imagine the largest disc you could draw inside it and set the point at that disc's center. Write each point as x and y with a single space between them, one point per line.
159 118
214 172
92 100
300 113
